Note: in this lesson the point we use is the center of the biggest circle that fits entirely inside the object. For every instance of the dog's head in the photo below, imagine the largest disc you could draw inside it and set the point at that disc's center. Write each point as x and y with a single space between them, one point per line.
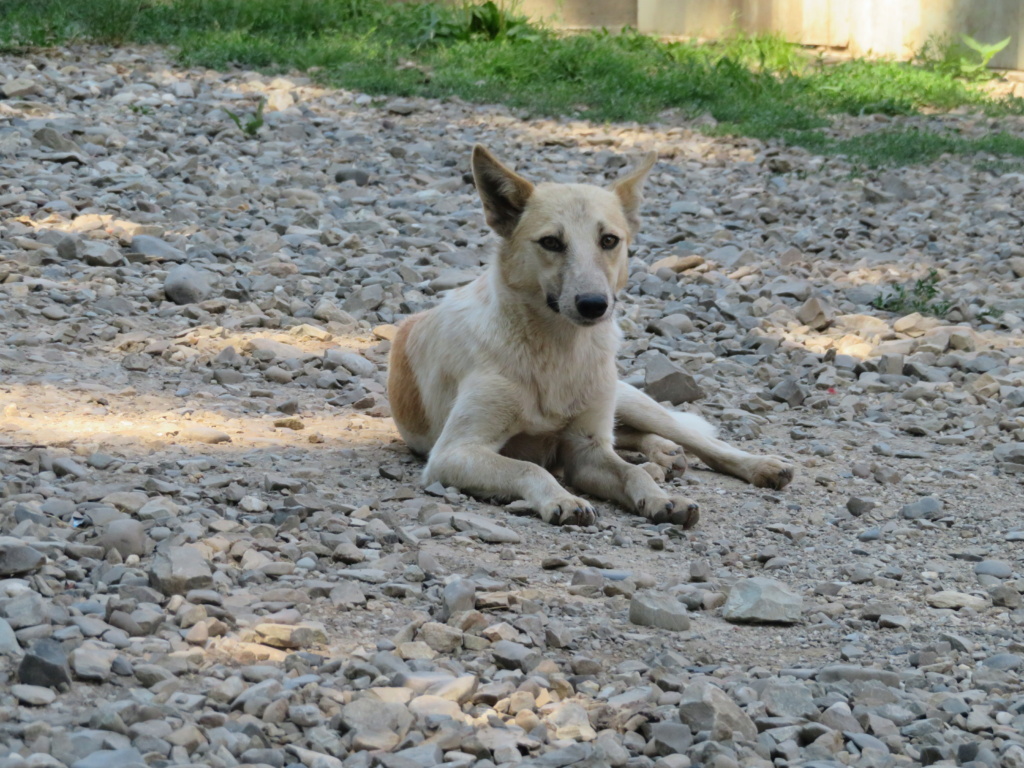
566 245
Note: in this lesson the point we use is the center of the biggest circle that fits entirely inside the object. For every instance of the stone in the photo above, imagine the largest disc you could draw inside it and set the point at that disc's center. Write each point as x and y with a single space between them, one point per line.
357 175
306 634
859 506
511 655
790 700
376 724
17 559
155 248
46 665
484 528
657 609
92 663
670 739
126 537
179 569
789 391
128 757
664 381
33 695
948 598
928 507
705 707
185 284
762 600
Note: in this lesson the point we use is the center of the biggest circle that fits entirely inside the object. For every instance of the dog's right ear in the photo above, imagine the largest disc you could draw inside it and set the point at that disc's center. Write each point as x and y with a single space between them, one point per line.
504 193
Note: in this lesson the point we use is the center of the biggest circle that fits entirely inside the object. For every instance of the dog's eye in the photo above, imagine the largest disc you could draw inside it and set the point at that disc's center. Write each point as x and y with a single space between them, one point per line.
551 243
609 241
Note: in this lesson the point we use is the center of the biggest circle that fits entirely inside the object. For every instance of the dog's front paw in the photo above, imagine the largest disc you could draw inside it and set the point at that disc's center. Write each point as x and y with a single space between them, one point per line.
677 510
567 510
771 472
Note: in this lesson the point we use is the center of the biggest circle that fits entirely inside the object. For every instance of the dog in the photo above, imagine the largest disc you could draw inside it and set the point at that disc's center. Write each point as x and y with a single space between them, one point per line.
513 376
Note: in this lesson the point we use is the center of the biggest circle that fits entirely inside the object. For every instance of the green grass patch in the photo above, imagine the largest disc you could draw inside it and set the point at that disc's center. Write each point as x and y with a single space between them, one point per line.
923 296
755 86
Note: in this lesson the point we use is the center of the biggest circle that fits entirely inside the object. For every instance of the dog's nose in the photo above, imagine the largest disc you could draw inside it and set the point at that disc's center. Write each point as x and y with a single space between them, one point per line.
591 305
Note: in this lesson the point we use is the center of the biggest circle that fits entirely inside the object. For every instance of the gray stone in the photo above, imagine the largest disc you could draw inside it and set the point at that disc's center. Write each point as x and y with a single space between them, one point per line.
483 528
376 724
186 285
16 559
99 254
670 738
179 569
9 645
852 673
1003 661
762 601
33 695
657 609
510 655
155 248
928 507
127 537
359 176
92 663
998 568
28 609
45 664
664 381
458 596
705 707
112 758
858 506
789 391
793 700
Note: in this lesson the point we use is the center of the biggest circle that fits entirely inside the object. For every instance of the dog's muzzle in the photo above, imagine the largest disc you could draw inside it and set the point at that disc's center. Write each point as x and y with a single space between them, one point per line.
553 303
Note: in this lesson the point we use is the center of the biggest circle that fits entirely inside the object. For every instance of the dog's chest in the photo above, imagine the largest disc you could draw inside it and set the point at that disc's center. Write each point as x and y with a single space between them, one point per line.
564 388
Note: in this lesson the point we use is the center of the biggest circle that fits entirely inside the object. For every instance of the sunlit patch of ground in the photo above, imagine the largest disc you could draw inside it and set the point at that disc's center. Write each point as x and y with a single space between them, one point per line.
45 415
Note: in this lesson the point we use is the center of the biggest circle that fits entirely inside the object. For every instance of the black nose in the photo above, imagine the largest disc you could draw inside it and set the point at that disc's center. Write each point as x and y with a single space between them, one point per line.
591 305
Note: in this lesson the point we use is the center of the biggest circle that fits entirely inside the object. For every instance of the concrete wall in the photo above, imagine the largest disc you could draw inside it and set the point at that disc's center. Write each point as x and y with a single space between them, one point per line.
573 14
879 27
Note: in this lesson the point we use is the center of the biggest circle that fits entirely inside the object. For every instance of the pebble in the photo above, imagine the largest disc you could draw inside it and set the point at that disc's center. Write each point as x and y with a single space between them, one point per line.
655 609
762 600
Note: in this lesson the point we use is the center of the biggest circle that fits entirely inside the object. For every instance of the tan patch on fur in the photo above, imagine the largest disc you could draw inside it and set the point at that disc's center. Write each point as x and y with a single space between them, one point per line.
403 391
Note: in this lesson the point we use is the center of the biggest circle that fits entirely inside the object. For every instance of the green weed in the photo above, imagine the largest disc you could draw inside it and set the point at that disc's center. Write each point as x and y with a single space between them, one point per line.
965 58
922 297
253 123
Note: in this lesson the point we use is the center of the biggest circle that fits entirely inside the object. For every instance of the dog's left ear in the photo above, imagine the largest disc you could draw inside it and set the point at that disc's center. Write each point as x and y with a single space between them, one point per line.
630 191
503 192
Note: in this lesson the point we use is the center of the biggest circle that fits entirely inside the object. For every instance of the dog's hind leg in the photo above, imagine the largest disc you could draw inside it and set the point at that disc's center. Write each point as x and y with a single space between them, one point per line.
637 412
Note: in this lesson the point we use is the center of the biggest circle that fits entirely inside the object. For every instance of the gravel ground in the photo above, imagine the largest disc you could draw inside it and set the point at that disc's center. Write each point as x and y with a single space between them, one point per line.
214 550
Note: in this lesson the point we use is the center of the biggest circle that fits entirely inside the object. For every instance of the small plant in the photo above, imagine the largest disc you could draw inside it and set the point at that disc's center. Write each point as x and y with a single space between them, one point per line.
966 59
922 297
251 126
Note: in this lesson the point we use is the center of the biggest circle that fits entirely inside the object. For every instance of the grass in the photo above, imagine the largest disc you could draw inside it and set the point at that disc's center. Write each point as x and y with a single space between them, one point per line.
754 86
922 297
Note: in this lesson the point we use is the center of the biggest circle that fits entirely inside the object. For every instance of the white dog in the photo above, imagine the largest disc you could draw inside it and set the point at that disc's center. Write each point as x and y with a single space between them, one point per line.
514 374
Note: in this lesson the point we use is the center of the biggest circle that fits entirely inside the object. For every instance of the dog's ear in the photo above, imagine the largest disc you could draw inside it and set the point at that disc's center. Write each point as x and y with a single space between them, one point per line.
630 191
504 193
